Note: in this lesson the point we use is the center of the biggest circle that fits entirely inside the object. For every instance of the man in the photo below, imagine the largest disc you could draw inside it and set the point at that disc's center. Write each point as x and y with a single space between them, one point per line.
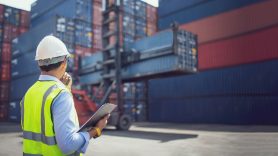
49 120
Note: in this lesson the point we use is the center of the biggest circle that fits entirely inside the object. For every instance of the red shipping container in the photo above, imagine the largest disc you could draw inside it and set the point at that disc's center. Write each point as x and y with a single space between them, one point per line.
97 13
83 51
97 37
1 13
22 30
10 32
5 71
4 91
24 18
151 12
98 1
151 20
254 47
3 110
236 22
151 29
6 53
1 32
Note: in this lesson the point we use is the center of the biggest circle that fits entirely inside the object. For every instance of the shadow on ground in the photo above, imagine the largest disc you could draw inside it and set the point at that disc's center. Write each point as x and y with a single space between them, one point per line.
9 127
212 127
159 136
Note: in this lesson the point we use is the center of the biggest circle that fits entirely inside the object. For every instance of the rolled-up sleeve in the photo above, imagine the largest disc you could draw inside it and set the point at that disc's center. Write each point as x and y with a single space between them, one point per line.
64 117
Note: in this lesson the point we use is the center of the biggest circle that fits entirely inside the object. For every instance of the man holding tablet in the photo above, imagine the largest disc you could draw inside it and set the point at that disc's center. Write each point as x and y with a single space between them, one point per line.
49 120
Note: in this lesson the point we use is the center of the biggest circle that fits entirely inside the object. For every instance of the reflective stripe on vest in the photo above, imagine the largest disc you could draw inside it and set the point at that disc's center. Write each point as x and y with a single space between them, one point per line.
40 139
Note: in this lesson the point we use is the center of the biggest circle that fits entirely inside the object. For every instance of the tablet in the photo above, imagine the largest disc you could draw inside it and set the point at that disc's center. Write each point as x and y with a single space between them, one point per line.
101 112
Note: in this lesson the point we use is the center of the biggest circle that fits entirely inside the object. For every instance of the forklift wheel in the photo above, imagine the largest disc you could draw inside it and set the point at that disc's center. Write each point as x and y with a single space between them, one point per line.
124 122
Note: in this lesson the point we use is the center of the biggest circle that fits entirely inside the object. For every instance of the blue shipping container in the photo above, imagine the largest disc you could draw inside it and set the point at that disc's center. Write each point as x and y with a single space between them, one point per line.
20 86
60 27
24 65
216 109
83 33
161 65
245 94
14 111
251 79
79 9
202 10
167 7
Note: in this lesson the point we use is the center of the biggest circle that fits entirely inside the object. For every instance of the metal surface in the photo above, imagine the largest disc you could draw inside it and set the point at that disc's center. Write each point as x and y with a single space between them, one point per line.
235 22
206 9
245 94
81 9
248 48
25 83
60 27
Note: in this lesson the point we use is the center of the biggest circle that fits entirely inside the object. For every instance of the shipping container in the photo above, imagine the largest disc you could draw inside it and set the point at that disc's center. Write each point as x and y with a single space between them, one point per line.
216 110
167 7
140 9
206 9
2 8
1 32
97 38
236 22
83 51
243 80
4 91
248 48
78 9
24 18
24 65
97 13
5 71
165 65
151 20
22 30
93 78
10 32
161 65
3 110
6 53
14 111
24 84
83 33
58 26
12 16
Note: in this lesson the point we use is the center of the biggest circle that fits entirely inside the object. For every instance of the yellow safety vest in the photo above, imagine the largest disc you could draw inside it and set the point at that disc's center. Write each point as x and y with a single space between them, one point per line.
36 120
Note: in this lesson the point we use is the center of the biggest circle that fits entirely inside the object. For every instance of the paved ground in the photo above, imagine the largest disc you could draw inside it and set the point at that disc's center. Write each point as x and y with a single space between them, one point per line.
162 139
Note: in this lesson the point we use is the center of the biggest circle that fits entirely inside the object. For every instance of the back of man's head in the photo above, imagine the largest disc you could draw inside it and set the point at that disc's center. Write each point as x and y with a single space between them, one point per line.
50 53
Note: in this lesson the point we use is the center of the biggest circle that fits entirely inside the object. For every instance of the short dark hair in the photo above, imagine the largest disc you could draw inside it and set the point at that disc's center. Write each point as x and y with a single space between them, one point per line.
51 66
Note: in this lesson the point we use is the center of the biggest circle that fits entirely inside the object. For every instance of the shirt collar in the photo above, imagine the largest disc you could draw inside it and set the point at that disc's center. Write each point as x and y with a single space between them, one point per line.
51 78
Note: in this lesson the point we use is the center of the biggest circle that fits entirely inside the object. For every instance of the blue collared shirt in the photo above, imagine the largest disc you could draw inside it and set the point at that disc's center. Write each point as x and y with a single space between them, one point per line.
64 116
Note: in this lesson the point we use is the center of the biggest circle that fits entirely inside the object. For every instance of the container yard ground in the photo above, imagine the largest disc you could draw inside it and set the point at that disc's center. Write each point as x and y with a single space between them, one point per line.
166 139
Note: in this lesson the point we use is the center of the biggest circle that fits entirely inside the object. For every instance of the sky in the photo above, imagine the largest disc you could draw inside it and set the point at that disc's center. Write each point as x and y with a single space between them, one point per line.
26 4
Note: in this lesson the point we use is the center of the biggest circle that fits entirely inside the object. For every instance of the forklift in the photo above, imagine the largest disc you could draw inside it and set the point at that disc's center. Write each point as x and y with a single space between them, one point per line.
111 82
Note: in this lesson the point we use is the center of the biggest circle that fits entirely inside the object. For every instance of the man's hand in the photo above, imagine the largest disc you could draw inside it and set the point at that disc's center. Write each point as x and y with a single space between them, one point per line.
67 80
101 124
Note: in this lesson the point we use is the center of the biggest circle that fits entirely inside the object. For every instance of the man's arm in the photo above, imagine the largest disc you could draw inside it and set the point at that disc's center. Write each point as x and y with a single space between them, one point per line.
64 118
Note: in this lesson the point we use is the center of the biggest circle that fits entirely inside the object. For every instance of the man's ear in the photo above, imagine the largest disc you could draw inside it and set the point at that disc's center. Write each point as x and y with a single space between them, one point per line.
64 64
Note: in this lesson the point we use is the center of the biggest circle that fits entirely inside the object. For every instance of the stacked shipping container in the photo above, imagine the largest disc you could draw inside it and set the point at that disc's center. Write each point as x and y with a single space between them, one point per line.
71 21
76 22
13 22
235 33
137 19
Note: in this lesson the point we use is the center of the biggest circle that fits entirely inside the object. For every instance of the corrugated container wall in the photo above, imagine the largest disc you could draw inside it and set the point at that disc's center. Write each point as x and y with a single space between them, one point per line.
13 22
195 10
237 62
246 94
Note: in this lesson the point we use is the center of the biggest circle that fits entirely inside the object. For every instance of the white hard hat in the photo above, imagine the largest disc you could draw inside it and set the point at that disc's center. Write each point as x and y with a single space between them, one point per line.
51 47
